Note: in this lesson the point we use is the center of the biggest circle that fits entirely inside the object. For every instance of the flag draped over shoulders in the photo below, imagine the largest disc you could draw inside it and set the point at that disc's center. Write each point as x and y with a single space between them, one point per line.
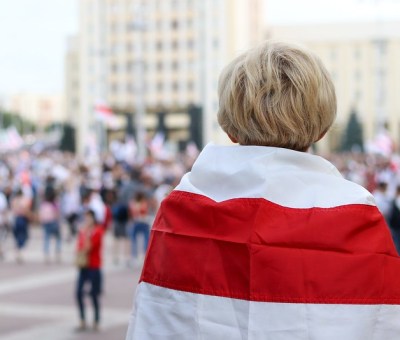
267 243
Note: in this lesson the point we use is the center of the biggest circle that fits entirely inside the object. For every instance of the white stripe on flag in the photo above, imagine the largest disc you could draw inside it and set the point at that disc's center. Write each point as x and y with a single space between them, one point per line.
211 317
285 177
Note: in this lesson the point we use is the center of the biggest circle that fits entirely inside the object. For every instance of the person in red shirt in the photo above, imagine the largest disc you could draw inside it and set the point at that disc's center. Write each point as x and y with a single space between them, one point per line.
89 261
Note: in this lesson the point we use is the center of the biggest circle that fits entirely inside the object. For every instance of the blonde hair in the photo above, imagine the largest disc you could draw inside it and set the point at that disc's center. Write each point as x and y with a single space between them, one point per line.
277 94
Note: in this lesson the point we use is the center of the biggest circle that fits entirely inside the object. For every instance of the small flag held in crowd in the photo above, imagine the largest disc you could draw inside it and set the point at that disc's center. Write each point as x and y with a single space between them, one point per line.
10 139
105 115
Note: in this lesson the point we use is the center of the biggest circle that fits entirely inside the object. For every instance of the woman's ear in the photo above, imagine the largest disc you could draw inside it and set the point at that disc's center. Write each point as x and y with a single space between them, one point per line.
233 139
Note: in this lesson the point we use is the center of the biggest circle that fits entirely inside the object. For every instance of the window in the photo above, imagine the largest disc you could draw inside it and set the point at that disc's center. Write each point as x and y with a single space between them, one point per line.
129 66
357 53
381 46
357 75
335 76
358 95
114 88
215 43
159 45
174 4
333 54
160 86
115 8
175 65
175 45
174 24
113 27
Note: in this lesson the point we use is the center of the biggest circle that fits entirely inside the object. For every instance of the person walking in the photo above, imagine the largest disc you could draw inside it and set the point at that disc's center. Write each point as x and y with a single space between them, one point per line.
21 210
139 212
71 202
49 217
89 262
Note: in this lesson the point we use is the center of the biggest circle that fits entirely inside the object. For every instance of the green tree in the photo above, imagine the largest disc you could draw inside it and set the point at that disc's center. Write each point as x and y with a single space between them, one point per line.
68 136
353 135
23 126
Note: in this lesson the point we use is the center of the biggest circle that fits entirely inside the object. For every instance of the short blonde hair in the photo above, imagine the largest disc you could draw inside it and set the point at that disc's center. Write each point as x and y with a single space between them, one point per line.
277 94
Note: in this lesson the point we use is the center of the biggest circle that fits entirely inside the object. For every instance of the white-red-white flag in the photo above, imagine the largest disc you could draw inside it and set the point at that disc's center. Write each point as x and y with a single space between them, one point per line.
156 145
267 243
105 114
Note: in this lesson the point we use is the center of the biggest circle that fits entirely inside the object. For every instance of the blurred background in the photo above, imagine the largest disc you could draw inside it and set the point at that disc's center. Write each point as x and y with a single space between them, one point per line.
109 100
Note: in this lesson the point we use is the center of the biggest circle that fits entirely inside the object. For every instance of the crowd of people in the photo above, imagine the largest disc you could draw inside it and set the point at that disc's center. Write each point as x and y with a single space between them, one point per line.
54 190
78 201
381 176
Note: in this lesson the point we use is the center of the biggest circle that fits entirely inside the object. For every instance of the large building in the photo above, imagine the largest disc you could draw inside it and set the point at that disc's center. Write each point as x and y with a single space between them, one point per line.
40 109
151 55
364 61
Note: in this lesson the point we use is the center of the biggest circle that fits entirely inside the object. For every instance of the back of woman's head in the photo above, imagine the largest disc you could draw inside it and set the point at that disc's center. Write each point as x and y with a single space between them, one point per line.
276 94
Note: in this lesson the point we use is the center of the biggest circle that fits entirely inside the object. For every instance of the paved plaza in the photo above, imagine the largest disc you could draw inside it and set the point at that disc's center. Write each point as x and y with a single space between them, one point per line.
37 299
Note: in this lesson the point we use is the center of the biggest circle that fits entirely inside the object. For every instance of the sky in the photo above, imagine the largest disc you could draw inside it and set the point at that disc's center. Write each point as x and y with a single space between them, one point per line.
320 11
32 44
33 33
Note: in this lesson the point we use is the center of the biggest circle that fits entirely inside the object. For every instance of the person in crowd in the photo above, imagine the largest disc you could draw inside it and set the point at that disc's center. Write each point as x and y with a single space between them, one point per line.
382 199
120 215
71 202
109 199
394 220
163 190
139 213
89 262
4 222
49 217
96 204
21 210
262 239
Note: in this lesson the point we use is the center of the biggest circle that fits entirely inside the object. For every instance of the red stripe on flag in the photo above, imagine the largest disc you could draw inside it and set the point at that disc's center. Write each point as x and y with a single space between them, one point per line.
253 249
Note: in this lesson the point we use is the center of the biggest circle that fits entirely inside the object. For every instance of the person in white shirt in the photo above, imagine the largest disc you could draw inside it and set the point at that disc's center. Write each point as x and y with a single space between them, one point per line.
3 222
382 200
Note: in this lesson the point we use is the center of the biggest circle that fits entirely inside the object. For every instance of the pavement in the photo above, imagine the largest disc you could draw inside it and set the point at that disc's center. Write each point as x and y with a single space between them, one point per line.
37 299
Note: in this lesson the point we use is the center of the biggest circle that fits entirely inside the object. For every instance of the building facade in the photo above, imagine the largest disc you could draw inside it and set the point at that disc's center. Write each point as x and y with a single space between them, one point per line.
141 56
363 59
42 110
72 82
